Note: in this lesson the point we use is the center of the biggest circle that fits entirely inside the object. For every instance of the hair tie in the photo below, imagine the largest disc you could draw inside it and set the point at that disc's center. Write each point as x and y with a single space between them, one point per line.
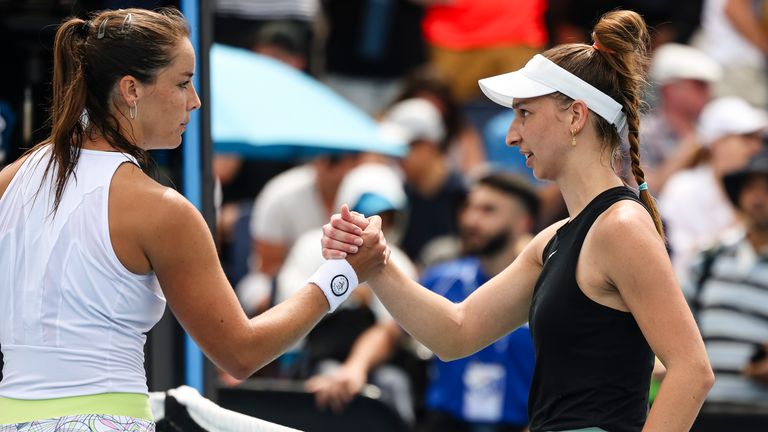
596 45
643 187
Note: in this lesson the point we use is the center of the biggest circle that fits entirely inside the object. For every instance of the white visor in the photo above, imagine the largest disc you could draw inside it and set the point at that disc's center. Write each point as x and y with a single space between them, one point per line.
540 77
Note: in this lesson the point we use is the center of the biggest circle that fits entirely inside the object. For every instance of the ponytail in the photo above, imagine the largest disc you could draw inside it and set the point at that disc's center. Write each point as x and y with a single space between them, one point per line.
616 64
69 99
622 38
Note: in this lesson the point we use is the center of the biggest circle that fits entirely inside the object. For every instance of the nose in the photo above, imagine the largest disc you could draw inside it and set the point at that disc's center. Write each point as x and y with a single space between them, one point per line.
513 136
195 102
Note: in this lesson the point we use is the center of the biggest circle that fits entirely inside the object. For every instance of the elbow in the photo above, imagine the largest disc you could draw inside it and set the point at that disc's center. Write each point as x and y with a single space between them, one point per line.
699 373
708 377
446 356
453 347
238 367
239 362
240 374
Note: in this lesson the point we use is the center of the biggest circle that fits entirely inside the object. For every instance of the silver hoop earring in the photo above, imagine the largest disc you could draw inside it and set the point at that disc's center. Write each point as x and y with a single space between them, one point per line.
132 112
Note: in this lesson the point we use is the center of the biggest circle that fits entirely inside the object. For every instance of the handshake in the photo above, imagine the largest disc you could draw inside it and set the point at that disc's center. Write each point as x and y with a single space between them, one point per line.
355 250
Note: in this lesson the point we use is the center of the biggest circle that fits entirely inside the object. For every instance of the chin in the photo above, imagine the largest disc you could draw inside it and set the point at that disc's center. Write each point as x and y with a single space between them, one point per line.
541 176
169 144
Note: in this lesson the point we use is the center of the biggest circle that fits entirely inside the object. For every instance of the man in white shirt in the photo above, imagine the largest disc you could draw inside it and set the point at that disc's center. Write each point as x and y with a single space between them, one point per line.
693 203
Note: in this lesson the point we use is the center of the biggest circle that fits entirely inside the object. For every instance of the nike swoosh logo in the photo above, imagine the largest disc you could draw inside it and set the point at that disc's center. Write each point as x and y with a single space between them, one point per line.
550 255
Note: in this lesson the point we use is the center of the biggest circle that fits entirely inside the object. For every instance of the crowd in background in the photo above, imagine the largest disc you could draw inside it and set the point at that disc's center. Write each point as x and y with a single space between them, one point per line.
460 205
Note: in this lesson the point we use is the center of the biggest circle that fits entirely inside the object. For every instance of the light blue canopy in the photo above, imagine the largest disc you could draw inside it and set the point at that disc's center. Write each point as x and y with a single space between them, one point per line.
262 108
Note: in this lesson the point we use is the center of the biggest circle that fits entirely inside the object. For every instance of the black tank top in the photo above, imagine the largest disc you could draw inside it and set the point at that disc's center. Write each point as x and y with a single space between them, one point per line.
593 365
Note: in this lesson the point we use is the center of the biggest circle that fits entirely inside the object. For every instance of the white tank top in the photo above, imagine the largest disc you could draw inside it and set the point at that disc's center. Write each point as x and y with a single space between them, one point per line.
72 317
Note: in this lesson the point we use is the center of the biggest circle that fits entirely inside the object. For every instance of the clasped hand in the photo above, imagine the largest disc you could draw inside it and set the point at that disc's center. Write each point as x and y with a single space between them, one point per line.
359 240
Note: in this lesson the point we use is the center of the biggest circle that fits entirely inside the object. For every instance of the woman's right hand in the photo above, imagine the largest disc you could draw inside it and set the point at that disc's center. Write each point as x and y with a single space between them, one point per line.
359 240
343 234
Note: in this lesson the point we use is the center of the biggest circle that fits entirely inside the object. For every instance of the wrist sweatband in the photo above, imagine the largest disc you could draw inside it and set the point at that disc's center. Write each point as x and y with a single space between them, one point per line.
337 279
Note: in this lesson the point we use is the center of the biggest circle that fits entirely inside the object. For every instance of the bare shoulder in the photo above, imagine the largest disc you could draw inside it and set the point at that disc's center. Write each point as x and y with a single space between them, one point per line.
7 173
131 183
625 220
141 199
623 236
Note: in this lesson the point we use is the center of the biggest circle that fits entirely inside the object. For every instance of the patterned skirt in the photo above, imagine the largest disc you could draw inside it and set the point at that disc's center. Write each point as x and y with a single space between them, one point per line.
83 423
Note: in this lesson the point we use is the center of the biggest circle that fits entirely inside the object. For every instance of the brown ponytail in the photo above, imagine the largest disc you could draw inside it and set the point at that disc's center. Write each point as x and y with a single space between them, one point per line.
616 65
90 57
69 96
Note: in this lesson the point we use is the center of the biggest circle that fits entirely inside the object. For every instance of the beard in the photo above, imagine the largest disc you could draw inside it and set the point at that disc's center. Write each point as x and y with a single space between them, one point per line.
488 248
757 217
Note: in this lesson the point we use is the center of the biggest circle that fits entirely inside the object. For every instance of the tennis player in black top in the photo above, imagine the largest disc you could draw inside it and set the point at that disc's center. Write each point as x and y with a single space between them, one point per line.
598 288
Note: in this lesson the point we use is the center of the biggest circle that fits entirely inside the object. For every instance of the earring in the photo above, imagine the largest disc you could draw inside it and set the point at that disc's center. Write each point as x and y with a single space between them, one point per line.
573 138
132 112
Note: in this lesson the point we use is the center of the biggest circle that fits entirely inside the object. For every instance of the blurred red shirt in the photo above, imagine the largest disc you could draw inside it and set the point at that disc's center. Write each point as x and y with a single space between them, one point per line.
466 24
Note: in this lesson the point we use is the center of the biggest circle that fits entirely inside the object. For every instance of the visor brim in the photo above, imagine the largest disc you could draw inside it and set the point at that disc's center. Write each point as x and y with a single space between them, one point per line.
504 89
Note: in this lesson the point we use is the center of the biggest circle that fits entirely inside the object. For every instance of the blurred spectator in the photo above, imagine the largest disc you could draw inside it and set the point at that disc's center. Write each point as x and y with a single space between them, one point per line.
292 203
435 191
488 390
242 179
283 41
727 290
371 45
682 75
672 21
349 348
242 23
693 202
731 34
464 143
473 39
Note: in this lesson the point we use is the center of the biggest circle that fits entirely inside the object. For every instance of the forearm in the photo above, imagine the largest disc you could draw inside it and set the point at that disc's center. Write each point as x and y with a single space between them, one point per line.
274 331
375 346
430 318
740 14
680 398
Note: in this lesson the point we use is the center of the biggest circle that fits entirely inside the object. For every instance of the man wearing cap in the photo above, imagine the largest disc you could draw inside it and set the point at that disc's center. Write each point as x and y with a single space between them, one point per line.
488 390
727 288
683 76
693 203
361 335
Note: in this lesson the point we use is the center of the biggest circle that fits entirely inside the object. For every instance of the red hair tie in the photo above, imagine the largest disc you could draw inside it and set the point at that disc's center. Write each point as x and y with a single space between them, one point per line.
597 47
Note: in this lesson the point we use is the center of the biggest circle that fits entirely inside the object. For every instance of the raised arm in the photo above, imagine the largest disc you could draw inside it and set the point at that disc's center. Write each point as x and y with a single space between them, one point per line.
743 18
450 330
635 262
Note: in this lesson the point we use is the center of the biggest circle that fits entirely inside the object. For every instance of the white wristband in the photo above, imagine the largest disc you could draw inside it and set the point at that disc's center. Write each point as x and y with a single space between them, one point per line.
337 279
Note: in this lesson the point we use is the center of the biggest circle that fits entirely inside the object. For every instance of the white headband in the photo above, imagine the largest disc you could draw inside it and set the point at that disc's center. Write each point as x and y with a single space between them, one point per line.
540 77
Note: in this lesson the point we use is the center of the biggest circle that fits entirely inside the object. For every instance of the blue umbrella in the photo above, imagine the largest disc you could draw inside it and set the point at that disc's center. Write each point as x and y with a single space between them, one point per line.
262 108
